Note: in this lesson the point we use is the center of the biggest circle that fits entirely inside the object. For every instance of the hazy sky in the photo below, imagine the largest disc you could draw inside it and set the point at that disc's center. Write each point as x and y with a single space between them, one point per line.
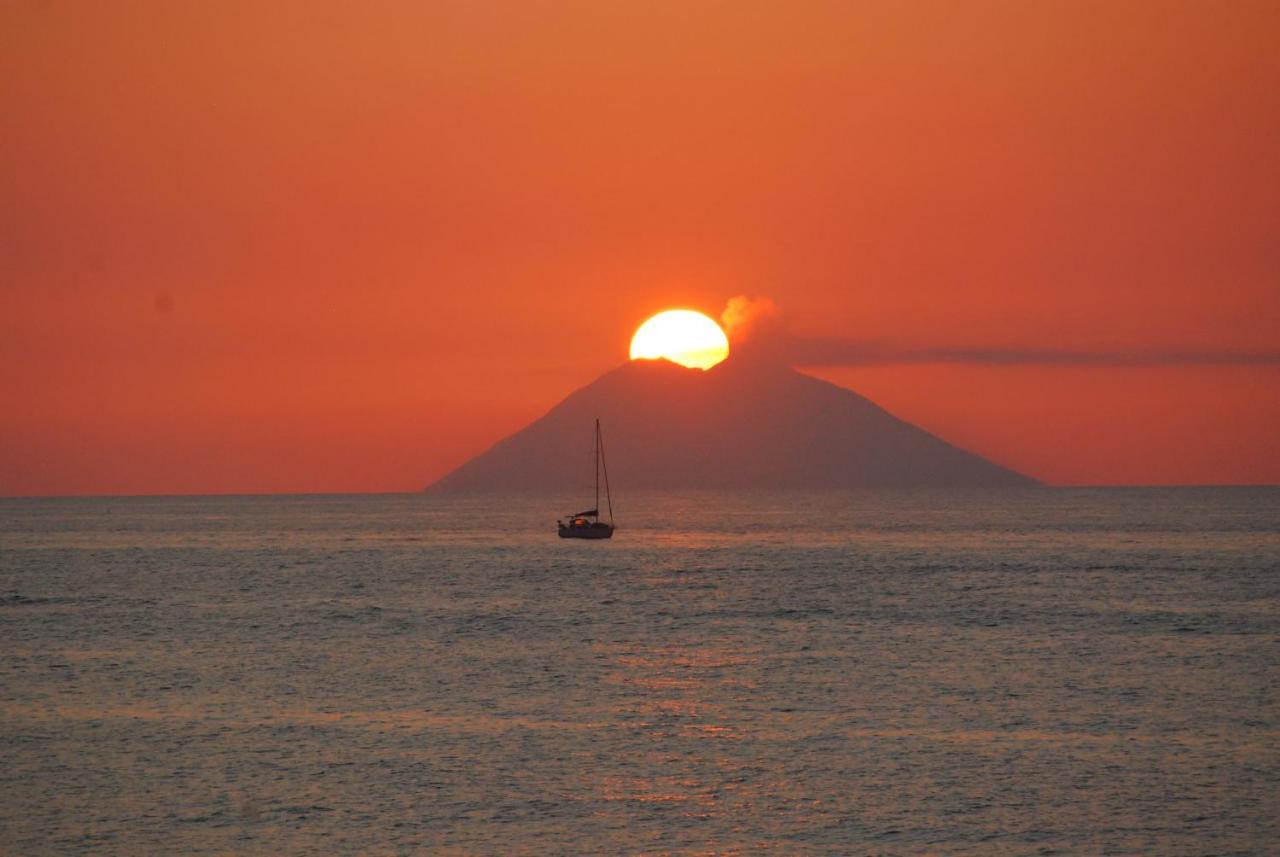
343 246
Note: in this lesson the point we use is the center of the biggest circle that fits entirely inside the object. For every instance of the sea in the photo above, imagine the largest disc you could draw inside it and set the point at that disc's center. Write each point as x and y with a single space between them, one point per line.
1037 671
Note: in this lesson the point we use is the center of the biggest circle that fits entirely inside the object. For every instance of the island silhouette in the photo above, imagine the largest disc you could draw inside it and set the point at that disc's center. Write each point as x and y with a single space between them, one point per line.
744 423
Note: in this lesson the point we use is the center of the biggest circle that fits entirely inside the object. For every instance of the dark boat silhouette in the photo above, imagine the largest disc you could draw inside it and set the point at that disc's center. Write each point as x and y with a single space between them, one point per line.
587 525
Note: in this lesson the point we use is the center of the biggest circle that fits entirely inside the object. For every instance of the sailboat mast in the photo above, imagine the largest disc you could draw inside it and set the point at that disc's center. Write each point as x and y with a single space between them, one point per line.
604 465
597 505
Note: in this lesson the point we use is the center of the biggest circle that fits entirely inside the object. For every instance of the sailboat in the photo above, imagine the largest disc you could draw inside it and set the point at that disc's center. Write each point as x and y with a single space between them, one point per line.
587 525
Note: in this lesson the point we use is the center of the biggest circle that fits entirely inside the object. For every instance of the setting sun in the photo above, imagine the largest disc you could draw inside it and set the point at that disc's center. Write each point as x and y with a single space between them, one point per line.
682 336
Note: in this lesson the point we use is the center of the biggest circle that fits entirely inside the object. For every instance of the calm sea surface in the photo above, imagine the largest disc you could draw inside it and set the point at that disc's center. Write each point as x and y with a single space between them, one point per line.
1030 672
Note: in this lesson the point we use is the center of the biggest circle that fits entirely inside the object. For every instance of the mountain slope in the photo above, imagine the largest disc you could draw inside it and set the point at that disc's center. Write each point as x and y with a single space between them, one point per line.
742 424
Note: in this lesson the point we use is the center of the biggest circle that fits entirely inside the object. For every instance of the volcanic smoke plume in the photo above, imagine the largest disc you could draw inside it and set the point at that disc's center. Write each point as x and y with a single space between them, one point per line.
755 327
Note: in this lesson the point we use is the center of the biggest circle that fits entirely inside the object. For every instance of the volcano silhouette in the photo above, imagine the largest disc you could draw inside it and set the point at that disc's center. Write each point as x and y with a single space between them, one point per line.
740 424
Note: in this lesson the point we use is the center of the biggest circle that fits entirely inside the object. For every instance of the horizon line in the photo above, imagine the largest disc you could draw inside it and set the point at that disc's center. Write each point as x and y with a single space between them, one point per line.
540 492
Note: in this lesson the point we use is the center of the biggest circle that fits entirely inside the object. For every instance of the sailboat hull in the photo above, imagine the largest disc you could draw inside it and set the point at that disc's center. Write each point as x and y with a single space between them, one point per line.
591 531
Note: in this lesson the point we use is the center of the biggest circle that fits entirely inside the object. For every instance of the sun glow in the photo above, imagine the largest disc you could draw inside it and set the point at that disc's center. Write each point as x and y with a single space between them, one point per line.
682 336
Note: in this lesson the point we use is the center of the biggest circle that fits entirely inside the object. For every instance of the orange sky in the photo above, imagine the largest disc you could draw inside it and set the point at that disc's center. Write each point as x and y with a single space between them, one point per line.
342 247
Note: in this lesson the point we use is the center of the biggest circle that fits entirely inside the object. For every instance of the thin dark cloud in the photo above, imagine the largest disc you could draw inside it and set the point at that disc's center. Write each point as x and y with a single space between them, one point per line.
848 352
